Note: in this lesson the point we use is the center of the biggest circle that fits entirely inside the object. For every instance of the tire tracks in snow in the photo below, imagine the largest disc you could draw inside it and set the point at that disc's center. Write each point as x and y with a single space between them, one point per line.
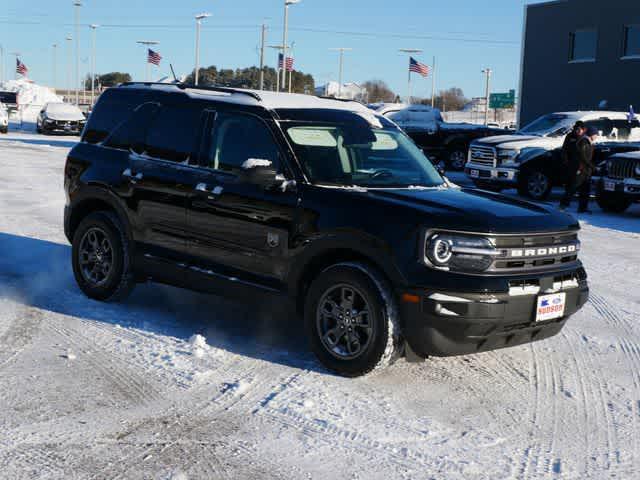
19 333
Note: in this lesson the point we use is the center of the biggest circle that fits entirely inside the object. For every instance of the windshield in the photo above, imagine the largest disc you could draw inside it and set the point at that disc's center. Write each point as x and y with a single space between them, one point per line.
350 155
549 125
63 108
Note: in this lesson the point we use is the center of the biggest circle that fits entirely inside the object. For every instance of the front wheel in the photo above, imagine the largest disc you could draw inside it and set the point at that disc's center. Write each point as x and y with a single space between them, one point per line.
612 201
101 259
351 320
535 184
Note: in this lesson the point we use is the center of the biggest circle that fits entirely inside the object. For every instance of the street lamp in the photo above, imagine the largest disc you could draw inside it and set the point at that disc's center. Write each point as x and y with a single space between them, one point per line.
487 72
93 27
55 65
341 50
409 51
284 38
77 4
147 43
1 63
68 82
199 19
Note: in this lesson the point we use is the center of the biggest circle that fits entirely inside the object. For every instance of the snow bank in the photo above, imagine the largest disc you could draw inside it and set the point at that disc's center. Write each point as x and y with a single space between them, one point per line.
30 93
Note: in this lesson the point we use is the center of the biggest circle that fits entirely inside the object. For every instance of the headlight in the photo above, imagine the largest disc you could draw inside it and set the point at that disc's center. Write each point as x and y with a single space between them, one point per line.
458 253
508 157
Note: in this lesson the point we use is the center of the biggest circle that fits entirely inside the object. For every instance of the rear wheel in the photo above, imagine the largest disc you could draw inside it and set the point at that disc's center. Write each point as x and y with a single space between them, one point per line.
535 184
457 157
612 201
351 320
101 259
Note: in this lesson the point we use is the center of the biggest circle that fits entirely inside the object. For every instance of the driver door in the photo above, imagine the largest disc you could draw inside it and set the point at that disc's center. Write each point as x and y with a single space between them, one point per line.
238 229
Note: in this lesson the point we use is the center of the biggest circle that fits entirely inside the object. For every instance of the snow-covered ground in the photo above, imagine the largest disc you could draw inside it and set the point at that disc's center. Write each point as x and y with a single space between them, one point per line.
96 391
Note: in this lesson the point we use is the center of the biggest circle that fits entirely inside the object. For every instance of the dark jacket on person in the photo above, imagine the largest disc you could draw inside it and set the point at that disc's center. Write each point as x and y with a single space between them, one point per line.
570 156
584 149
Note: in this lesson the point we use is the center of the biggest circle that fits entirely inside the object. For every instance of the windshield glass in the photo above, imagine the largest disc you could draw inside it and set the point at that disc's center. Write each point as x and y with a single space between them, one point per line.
63 108
549 125
355 155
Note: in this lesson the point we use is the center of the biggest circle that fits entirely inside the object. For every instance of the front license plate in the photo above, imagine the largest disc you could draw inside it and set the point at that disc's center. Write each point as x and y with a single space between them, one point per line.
474 173
550 306
610 186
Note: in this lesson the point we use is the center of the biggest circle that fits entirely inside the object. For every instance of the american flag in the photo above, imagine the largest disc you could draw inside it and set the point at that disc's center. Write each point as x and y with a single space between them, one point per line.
417 67
154 57
280 61
289 64
21 68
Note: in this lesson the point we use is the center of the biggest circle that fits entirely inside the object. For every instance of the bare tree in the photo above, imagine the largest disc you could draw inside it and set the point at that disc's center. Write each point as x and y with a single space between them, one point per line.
379 91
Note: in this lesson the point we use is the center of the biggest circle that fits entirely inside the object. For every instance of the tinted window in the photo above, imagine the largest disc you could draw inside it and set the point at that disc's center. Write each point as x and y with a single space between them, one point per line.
583 45
632 41
173 133
112 108
237 138
130 134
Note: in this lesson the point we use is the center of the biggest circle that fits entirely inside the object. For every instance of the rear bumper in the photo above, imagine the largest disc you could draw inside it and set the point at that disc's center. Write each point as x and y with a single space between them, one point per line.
628 186
454 323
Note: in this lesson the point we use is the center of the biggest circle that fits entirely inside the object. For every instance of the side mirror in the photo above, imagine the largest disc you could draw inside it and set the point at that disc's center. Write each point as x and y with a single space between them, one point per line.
260 172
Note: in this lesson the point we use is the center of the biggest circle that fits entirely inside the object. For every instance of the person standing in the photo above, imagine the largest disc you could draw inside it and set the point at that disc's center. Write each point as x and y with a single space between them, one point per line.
580 167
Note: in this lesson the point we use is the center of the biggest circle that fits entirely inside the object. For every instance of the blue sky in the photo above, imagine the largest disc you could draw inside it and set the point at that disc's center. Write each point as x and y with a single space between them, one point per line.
464 35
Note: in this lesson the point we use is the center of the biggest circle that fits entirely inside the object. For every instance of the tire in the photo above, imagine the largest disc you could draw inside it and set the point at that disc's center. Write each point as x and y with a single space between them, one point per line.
117 283
38 128
612 202
379 330
457 157
535 184
5 130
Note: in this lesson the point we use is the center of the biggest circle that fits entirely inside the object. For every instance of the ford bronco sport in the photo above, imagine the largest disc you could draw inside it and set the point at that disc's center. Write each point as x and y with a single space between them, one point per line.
319 202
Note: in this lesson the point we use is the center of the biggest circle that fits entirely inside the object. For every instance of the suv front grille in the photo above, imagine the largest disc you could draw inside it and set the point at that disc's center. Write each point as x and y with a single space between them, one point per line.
623 167
483 155
530 253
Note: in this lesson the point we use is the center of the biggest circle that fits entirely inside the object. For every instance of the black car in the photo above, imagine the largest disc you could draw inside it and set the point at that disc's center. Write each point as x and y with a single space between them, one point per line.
321 204
619 184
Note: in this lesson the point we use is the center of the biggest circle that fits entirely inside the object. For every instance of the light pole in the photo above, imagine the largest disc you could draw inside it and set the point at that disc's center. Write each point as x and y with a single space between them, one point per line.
278 69
341 50
263 39
55 66
68 81
409 51
147 44
487 72
1 63
93 27
199 19
284 39
77 4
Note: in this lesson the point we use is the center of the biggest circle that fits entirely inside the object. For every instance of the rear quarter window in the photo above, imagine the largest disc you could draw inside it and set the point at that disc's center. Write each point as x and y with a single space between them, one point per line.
112 108
174 132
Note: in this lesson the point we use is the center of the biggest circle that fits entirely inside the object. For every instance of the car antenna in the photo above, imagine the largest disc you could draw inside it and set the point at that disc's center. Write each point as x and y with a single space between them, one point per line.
174 74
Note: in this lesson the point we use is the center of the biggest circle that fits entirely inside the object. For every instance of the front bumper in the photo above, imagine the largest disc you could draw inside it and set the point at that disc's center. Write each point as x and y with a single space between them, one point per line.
63 127
627 186
454 323
487 174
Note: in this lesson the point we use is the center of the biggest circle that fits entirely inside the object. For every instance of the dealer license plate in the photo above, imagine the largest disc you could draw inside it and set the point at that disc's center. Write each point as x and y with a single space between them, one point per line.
474 173
550 306
609 186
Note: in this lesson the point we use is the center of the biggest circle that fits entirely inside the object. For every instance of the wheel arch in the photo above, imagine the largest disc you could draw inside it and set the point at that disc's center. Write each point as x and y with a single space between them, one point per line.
96 200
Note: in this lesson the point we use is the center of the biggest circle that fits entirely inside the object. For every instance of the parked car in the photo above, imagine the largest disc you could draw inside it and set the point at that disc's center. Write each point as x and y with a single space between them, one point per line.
330 209
10 100
531 158
4 119
619 185
60 118
441 141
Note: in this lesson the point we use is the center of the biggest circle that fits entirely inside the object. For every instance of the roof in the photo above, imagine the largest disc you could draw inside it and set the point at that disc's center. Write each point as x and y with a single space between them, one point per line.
269 100
595 114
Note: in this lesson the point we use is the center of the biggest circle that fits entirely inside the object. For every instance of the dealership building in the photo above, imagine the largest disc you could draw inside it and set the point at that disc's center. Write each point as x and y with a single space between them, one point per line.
580 55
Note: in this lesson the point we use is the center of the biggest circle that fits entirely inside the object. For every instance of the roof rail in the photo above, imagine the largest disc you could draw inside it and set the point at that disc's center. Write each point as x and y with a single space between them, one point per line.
212 88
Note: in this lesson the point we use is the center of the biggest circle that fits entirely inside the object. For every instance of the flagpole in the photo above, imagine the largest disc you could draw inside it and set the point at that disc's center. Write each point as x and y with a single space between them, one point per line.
409 89
433 84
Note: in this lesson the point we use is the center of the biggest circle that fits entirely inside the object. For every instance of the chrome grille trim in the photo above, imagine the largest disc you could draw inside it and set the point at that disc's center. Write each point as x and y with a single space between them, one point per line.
623 168
483 155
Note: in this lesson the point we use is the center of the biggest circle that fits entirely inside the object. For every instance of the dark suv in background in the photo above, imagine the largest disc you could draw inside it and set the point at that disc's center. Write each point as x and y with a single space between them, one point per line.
321 203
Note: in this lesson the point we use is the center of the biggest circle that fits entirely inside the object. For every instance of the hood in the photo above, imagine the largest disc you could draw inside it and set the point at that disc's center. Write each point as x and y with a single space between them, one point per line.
65 116
478 211
522 141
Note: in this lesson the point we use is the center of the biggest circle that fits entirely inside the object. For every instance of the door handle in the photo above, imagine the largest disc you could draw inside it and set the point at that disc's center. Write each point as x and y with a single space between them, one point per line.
202 187
131 177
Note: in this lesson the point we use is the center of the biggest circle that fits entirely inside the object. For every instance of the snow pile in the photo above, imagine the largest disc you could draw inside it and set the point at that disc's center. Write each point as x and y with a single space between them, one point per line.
199 345
255 162
30 93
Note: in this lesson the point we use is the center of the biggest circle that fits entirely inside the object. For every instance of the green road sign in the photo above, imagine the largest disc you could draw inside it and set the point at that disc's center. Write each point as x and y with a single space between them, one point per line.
503 100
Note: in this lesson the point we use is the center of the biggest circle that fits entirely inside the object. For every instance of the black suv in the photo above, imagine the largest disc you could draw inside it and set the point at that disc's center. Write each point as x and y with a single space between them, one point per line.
619 184
318 202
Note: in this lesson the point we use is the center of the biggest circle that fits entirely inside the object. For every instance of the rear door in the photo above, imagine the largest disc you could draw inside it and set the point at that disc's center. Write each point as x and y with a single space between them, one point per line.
236 228
161 174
